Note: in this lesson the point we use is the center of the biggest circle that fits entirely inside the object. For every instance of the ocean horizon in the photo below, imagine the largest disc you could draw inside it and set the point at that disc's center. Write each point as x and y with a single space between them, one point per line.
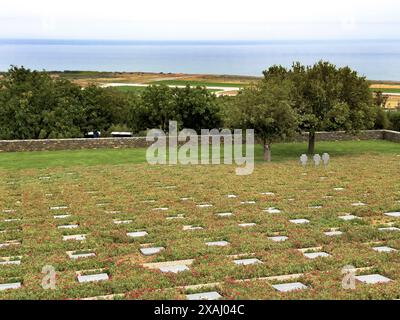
376 59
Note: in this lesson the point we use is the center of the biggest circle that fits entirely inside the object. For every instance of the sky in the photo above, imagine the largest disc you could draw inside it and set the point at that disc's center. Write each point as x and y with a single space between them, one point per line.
199 20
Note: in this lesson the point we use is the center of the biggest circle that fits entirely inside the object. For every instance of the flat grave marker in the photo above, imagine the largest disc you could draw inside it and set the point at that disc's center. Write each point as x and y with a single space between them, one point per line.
178 216
61 207
299 221
10 260
272 210
61 216
389 229
224 214
9 286
122 221
392 214
137 234
217 244
373 279
76 237
246 262
174 268
348 217
247 225
287 287
315 255
212 295
151 251
76 255
68 226
278 238
93 277
192 228
384 249
333 233
205 205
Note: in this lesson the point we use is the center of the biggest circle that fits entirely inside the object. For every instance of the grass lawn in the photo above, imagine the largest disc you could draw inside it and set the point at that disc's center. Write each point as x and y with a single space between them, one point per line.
386 90
107 194
280 152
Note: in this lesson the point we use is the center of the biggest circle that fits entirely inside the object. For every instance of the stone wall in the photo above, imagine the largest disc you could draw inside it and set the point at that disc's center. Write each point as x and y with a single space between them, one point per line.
391 135
72 144
140 142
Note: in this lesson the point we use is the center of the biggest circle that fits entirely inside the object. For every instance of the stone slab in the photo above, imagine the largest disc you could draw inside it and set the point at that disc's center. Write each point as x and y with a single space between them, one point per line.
213 295
348 217
217 244
174 268
93 278
300 221
68 226
246 262
278 238
137 234
77 237
287 287
75 256
224 214
151 251
8 286
333 233
315 255
247 225
392 214
384 249
272 210
373 279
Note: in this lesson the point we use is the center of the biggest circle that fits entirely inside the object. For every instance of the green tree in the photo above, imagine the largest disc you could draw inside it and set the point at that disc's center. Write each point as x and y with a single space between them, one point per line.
102 108
196 108
158 106
35 106
327 98
267 108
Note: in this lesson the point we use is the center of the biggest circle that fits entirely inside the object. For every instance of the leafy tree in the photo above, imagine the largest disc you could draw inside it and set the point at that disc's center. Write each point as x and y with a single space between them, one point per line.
102 108
380 99
196 108
34 106
267 108
158 106
327 98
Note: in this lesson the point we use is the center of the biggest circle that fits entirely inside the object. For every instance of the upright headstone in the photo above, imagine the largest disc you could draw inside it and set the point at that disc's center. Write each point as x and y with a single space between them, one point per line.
317 160
303 160
325 159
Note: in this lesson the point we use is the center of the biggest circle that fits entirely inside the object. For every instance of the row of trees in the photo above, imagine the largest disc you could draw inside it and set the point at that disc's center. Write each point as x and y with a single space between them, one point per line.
33 105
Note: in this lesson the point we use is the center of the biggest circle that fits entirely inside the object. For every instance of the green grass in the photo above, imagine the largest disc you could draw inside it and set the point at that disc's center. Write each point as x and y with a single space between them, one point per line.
386 90
199 83
122 190
130 89
280 152
139 90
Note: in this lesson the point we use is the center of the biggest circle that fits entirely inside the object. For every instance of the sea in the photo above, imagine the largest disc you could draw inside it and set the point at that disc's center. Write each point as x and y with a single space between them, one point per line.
375 59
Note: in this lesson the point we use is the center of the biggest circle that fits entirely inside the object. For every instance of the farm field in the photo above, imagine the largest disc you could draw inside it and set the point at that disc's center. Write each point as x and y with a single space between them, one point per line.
139 90
130 223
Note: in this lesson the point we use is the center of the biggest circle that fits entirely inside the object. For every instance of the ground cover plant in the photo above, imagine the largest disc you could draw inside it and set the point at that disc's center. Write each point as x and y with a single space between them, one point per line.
183 210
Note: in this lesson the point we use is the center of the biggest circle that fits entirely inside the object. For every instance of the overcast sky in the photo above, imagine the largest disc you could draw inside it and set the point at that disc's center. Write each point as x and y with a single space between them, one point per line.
200 19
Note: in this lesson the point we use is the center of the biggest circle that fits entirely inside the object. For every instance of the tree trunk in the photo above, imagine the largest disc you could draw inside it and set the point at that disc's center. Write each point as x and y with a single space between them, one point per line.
267 152
311 142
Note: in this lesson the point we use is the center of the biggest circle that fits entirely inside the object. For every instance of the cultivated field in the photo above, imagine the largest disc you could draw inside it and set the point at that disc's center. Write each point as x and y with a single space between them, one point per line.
208 221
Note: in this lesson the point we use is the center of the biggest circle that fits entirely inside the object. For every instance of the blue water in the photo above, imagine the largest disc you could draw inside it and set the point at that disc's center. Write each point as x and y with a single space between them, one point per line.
376 59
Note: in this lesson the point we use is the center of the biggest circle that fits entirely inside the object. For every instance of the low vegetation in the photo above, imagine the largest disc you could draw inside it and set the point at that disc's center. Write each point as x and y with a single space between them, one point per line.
96 194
